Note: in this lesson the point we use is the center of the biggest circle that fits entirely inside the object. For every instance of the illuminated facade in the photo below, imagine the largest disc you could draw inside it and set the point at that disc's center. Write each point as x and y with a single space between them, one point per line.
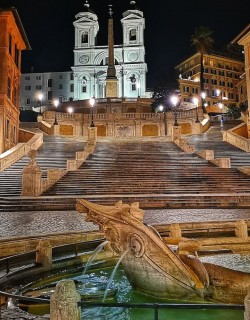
221 78
91 61
12 41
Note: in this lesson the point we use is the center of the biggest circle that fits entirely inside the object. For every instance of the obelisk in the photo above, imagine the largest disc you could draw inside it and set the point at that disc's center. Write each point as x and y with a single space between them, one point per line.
111 80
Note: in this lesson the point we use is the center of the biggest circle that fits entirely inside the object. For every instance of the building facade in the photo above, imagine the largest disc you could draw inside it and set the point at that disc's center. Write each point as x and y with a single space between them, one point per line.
88 75
12 41
221 77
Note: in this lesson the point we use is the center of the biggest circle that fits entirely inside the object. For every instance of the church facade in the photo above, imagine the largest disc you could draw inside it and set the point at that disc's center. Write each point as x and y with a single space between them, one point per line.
88 75
90 61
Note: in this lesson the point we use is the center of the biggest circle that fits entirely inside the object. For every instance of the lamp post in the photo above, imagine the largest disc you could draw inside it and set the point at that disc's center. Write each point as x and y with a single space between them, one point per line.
175 100
40 98
92 103
56 103
196 101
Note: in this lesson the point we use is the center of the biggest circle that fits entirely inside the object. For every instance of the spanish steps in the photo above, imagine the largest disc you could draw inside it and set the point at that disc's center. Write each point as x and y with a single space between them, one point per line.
154 172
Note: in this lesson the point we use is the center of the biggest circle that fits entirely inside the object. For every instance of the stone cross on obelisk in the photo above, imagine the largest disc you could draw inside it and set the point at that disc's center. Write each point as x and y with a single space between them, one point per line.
111 80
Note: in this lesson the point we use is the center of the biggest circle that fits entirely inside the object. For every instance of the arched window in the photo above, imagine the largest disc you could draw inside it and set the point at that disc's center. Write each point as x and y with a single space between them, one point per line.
132 35
85 37
28 101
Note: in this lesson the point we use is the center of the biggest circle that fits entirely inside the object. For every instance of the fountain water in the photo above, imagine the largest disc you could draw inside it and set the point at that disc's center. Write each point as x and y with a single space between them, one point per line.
113 273
95 253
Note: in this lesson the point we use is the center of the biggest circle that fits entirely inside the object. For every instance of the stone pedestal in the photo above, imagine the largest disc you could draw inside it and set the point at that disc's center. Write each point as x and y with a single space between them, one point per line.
56 129
44 253
63 303
241 230
92 133
31 177
176 132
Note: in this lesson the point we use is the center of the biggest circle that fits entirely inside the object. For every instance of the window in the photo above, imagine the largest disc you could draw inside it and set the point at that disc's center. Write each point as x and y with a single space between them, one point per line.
205 70
27 78
9 88
132 35
60 86
28 101
10 44
7 129
27 88
221 73
230 85
230 95
213 71
186 89
222 83
16 56
49 83
214 93
72 76
38 77
84 88
85 37
60 76
39 87
133 87
14 134
214 81
195 90
49 95
206 80
15 96
71 87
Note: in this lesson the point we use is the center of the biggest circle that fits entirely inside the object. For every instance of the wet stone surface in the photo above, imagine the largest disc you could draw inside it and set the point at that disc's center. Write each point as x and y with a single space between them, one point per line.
15 224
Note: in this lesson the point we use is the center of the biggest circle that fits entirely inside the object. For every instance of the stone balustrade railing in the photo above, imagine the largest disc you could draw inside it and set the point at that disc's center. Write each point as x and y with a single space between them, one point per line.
34 141
219 162
240 141
45 127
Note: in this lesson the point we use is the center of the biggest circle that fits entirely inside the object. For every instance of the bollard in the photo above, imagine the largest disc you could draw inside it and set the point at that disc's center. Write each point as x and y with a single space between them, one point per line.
44 253
247 305
63 303
241 230
175 230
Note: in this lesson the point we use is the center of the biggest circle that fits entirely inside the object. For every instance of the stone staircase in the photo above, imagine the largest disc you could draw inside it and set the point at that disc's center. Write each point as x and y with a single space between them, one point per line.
155 173
212 140
54 153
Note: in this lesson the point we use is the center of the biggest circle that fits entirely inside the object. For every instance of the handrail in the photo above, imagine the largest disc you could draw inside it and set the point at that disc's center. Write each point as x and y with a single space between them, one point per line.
24 298
7 260
157 306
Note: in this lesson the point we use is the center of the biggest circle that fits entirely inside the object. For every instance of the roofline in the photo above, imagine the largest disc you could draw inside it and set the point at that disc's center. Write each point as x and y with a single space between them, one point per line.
241 34
19 24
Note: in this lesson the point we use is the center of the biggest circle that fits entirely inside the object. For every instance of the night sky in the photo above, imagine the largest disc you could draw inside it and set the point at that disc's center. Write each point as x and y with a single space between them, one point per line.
169 26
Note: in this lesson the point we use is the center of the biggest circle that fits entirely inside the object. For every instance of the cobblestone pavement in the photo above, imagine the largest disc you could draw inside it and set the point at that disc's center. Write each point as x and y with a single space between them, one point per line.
16 224
17 314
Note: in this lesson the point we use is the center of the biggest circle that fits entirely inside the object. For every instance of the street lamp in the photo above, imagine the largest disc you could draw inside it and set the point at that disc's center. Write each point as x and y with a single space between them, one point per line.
196 101
40 98
174 99
56 103
92 103
70 110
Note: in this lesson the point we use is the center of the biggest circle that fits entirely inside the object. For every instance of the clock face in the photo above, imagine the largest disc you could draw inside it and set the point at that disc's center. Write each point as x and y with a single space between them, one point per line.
84 59
133 56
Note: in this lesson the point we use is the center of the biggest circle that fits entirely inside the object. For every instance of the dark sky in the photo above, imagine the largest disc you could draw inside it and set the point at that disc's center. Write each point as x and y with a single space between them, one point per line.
169 26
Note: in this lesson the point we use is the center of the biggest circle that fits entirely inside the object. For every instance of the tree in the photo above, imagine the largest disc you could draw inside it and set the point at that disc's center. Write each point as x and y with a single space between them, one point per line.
202 41
233 110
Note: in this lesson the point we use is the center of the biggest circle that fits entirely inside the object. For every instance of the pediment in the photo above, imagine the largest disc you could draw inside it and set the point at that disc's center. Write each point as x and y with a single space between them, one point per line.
128 15
85 19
